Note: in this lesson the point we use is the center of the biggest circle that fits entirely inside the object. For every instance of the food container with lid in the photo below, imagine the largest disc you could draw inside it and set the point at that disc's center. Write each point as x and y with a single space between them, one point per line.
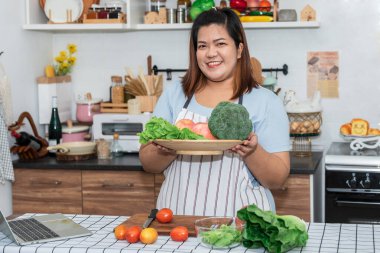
74 133
87 108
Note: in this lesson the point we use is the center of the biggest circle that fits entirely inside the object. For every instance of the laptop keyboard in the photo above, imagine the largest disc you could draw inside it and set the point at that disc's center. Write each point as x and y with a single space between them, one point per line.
31 230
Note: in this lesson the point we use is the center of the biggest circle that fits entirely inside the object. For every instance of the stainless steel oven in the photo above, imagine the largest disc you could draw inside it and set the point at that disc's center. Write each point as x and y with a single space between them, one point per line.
352 185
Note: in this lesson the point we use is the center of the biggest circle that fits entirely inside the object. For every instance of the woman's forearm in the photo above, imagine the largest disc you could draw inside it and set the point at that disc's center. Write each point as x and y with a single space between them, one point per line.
270 169
153 159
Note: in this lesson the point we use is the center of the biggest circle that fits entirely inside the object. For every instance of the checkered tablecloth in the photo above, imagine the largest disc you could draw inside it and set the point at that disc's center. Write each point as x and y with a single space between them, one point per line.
322 238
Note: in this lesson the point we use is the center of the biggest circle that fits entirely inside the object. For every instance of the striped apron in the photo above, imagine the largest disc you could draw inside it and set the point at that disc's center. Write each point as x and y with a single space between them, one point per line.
210 185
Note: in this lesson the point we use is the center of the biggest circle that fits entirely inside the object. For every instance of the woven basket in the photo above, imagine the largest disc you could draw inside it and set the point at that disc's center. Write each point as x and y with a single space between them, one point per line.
305 123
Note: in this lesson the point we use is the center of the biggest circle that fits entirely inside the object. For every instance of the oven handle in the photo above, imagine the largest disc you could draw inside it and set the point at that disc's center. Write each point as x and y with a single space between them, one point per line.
356 203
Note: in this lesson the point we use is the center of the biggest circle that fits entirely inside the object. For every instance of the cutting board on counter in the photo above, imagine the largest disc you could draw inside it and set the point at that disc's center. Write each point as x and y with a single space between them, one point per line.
164 228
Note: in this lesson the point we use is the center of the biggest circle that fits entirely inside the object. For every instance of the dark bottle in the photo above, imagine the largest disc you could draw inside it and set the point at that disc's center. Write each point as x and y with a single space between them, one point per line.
25 139
55 126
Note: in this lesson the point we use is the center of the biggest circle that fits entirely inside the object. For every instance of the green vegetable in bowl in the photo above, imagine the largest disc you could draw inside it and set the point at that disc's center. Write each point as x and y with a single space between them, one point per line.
230 121
222 237
158 128
276 233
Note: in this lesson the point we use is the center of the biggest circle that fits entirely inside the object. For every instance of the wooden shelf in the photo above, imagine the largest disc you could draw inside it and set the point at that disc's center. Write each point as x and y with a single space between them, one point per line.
37 21
158 27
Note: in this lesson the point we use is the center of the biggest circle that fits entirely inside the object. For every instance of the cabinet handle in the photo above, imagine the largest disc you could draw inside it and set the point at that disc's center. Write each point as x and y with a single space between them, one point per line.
117 186
55 182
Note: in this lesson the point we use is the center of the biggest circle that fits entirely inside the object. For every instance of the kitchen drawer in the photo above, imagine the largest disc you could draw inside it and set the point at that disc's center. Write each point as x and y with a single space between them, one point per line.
294 198
47 191
117 192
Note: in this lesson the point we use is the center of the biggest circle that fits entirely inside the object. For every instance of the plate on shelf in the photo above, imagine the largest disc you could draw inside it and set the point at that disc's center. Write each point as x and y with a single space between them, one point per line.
356 137
67 11
198 147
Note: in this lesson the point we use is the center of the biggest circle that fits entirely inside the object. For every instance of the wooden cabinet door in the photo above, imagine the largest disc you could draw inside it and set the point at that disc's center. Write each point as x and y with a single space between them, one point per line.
117 192
294 198
47 191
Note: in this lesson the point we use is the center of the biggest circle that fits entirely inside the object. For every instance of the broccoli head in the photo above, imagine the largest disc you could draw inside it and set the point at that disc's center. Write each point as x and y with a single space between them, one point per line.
230 121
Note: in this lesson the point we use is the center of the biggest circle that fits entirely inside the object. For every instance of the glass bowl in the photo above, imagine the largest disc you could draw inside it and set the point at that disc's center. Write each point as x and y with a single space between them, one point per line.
219 232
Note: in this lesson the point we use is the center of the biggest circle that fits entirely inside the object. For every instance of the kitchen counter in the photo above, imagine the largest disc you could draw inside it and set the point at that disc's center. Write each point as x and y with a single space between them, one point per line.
323 237
131 162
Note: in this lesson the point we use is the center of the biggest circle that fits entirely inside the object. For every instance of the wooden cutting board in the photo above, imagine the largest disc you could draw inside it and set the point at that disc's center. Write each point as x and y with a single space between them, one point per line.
164 228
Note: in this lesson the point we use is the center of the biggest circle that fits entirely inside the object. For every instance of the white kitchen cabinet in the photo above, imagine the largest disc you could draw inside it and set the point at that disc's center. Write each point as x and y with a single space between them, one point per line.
37 21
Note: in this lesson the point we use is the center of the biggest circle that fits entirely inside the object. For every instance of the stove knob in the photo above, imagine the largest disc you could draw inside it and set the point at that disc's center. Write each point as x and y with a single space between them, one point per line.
367 182
352 183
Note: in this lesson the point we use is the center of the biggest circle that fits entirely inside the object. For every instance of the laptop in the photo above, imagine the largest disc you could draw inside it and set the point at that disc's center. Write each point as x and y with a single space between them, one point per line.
43 228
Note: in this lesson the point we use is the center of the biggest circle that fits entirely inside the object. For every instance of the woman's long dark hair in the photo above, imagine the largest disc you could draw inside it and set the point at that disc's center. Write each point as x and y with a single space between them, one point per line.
194 79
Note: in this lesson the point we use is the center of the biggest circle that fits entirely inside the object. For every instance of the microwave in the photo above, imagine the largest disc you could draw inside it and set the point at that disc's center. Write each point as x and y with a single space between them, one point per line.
126 125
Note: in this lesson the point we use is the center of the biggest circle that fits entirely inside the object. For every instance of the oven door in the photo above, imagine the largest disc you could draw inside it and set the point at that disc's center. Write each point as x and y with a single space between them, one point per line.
352 207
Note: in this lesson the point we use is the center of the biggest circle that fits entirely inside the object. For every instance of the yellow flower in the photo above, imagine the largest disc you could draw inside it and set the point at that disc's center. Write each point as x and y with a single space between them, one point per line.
72 48
71 60
65 60
63 54
59 59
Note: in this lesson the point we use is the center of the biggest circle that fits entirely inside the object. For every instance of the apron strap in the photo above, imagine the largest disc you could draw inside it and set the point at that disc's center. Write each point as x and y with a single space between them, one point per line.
241 100
188 101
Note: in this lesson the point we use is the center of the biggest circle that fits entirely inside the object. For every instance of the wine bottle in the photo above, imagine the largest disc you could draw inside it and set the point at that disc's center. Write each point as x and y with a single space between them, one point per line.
55 126
25 139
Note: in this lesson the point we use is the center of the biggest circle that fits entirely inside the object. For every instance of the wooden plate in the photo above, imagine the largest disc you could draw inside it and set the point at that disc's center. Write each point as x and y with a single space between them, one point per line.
198 147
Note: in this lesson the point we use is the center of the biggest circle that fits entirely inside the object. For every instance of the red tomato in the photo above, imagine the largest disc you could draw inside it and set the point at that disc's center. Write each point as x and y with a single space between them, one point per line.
165 215
265 5
202 129
179 234
133 234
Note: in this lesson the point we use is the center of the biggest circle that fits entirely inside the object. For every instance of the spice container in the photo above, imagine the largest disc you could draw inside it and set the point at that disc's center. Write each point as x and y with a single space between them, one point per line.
103 149
156 5
102 13
117 95
114 13
171 16
116 149
92 14
185 5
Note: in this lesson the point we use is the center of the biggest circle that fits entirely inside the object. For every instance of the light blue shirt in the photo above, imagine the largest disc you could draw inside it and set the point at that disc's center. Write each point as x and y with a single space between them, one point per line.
266 110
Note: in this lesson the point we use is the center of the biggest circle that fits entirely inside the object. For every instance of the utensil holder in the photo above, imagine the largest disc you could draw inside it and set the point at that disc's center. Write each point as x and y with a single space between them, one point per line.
147 103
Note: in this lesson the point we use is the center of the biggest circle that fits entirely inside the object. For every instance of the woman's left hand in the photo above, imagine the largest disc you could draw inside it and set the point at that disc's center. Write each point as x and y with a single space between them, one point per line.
247 147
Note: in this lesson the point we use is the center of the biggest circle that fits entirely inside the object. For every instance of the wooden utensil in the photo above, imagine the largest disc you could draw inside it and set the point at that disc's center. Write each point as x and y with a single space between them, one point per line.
165 228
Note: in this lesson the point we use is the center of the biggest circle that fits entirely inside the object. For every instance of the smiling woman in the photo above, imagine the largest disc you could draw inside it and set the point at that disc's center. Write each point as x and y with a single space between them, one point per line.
220 184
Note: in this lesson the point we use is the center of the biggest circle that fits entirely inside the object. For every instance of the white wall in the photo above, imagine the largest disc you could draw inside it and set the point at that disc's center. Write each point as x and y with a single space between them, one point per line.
25 55
349 27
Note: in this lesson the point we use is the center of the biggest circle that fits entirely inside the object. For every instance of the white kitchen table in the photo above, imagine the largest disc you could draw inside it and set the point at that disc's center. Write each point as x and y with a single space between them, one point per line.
323 237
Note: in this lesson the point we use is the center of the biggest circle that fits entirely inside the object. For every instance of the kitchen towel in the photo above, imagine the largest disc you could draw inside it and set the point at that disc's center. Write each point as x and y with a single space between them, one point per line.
6 166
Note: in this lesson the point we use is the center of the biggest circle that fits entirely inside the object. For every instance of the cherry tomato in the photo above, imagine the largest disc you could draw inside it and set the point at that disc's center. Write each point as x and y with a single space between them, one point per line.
165 215
148 235
179 234
132 234
120 232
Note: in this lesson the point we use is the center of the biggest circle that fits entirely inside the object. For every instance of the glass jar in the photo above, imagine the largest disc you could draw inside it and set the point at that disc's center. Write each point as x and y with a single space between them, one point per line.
184 6
156 5
116 4
102 13
103 148
117 95
115 13
92 14
116 149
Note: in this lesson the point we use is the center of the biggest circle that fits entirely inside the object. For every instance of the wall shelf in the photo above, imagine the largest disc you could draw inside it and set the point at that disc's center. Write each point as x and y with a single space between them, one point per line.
37 21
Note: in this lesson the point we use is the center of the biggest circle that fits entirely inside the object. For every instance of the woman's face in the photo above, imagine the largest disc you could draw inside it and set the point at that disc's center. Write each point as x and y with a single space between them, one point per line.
217 54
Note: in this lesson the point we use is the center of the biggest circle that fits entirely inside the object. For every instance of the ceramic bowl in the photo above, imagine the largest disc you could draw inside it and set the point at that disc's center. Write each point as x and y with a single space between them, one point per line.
75 148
